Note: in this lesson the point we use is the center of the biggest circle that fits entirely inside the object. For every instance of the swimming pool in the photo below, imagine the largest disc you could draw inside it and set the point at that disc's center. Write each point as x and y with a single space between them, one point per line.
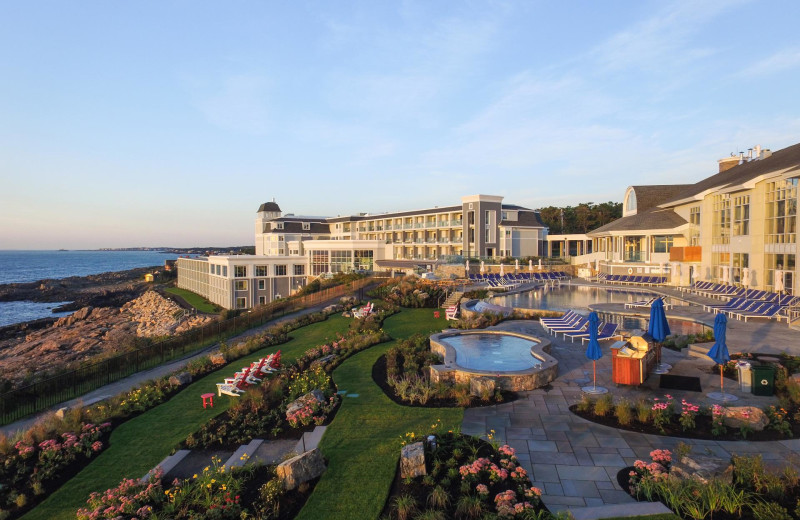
580 297
493 352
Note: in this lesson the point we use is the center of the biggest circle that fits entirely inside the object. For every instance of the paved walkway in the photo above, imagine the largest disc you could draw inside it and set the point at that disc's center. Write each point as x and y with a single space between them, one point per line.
575 462
130 382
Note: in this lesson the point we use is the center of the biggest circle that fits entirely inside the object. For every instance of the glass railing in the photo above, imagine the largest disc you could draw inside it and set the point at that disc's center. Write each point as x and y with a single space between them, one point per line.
418 225
633 257
456 222
430 224
407 226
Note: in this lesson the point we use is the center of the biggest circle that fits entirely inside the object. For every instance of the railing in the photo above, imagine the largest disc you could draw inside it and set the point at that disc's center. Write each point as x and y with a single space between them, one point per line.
418 225
408 226
430 224
456 222
633 257
54 390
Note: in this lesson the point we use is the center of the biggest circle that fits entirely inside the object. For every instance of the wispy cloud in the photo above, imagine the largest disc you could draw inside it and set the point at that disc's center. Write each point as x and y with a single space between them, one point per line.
786 59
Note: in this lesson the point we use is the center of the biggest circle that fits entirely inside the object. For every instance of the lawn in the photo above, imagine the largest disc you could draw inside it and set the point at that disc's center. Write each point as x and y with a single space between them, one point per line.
362 444
195 300
139 444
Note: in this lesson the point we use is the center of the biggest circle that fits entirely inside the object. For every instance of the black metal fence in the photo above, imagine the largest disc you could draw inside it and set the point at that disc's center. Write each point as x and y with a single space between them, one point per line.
49 392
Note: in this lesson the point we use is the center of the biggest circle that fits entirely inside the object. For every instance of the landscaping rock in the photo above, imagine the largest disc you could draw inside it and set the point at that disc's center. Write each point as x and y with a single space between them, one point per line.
217 358
180 379
302 468
314 395
412 460
330 309
479 386
702 469
738 416
323 360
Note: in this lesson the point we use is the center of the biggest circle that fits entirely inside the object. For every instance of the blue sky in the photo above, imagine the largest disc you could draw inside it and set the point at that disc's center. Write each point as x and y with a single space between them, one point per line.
168 123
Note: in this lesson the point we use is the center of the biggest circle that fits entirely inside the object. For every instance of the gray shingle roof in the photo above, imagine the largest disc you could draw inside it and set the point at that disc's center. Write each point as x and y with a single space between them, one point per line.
655 218
268 206
650 196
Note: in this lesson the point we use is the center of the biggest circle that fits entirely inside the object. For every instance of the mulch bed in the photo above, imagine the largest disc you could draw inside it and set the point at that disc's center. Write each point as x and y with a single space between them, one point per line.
380 378
702 428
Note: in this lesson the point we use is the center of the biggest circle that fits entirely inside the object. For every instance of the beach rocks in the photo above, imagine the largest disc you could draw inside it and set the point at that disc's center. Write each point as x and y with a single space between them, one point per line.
309 398
302 468
180 379
702 469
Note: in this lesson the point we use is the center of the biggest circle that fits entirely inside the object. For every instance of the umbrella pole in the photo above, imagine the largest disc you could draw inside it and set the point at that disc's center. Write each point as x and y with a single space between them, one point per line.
594 373
721 384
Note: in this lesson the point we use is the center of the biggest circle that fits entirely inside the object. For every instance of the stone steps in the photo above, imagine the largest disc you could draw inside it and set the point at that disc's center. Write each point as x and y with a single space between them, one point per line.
169 463
700 350
453 299
243 454
618 510
310 440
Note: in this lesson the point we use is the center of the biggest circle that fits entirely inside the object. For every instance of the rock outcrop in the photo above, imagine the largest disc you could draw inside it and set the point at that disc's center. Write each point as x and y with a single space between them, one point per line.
93 331
302 468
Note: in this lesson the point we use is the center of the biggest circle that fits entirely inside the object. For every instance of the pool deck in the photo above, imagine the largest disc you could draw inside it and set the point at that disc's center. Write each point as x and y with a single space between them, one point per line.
574 461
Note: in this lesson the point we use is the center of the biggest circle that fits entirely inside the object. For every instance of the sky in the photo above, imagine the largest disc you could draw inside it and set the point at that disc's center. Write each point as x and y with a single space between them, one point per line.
167 123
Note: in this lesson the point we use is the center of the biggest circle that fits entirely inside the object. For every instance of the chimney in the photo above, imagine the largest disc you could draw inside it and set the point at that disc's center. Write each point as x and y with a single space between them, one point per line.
727 163
758 151
766 153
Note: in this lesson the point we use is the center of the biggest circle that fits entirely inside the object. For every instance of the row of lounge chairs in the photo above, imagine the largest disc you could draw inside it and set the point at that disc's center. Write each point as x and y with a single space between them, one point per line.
631 279
745 308
648 303
364 311
574 326
512 280
236 385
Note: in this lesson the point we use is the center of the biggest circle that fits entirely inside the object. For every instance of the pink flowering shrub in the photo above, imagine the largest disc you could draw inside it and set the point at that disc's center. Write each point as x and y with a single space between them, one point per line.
654 471
131 499
688 413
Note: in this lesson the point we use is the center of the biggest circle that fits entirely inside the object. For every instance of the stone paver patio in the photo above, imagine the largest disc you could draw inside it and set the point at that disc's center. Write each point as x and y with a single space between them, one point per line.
575 462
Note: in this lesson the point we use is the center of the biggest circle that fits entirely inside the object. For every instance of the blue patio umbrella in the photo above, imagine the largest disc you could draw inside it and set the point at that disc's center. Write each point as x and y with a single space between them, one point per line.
593 351
719 352
658 327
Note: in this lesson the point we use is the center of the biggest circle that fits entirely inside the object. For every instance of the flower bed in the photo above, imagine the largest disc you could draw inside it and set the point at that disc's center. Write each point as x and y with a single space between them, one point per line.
403 376
466 477
752 492
214 493
409 291
666 416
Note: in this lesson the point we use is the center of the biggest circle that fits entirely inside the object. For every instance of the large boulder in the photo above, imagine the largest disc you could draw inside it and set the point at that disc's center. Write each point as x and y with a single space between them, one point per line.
180 379
412 460
302 468
217 358
702 469
307 399
738 416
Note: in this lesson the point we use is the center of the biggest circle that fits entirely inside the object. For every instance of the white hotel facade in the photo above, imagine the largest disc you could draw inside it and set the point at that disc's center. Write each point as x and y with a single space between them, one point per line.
292 250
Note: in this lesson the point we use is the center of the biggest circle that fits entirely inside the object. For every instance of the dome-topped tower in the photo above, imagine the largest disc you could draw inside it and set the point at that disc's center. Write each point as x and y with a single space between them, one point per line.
269 210
266 212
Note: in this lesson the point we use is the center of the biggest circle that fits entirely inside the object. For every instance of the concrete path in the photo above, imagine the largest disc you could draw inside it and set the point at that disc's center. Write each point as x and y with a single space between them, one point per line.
130 382
575 462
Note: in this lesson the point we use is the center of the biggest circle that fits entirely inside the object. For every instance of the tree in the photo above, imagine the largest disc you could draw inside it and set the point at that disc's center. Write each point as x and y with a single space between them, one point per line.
582 218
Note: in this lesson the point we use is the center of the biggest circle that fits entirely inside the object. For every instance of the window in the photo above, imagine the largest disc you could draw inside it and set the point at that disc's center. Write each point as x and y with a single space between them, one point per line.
630 202
694 227
741 261
307 226
279 225
262 300
241 303
262 285
319 262
262 270
280 270
239 271
241 285
781 212
299 270
363 259
225 271
741 215
504 215
341 261
662 244
722 220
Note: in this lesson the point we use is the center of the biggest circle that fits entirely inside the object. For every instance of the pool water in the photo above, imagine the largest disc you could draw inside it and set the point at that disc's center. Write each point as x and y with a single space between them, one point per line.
566 297
492 352
579 297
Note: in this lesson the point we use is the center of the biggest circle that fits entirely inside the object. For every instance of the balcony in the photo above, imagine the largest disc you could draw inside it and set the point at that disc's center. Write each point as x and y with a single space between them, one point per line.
456 222
430 224
408 226
442 223
419 225
635 256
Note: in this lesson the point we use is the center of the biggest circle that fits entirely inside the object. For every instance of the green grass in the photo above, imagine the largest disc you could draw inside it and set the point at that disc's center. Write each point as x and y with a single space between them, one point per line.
362 444
139 444
195 300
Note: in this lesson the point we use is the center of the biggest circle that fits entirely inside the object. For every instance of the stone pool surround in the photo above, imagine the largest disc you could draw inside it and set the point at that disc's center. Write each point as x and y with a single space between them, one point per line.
515 381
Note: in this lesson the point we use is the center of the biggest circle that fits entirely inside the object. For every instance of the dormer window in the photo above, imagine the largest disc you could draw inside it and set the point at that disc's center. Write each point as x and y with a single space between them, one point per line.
306 226
279 225
630 203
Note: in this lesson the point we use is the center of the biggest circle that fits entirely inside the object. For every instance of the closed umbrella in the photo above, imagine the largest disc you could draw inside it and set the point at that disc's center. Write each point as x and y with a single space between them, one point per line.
501 270
594 353
540 264
466 268
675 273
658 328
719 353
530 265
746 277
482 267
779 281
725 277
516 266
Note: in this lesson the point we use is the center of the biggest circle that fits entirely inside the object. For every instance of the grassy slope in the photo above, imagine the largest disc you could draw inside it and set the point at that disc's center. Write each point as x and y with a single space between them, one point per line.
141 443
194 299
363 442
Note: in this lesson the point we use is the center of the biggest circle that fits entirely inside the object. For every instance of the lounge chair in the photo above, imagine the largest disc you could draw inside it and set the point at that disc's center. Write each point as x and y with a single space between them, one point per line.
765 311
608 331
578 325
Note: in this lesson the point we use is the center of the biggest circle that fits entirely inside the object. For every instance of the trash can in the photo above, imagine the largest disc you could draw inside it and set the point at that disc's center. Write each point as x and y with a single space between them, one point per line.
763 379
745 376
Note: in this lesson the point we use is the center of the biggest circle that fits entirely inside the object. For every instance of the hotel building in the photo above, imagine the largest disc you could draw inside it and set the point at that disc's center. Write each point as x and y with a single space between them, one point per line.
738 226
290 250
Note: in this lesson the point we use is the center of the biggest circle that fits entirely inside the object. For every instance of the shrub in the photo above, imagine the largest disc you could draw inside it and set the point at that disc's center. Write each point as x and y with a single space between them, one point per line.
643 411
769 511
603 405
623 412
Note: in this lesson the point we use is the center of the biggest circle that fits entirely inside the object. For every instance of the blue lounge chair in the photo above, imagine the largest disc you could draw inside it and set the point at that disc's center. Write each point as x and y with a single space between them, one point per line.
607 331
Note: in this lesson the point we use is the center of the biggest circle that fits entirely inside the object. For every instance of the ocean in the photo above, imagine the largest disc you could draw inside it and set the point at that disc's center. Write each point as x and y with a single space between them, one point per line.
30 266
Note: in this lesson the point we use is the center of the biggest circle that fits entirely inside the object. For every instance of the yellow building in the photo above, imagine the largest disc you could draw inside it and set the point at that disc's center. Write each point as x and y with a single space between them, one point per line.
738 226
